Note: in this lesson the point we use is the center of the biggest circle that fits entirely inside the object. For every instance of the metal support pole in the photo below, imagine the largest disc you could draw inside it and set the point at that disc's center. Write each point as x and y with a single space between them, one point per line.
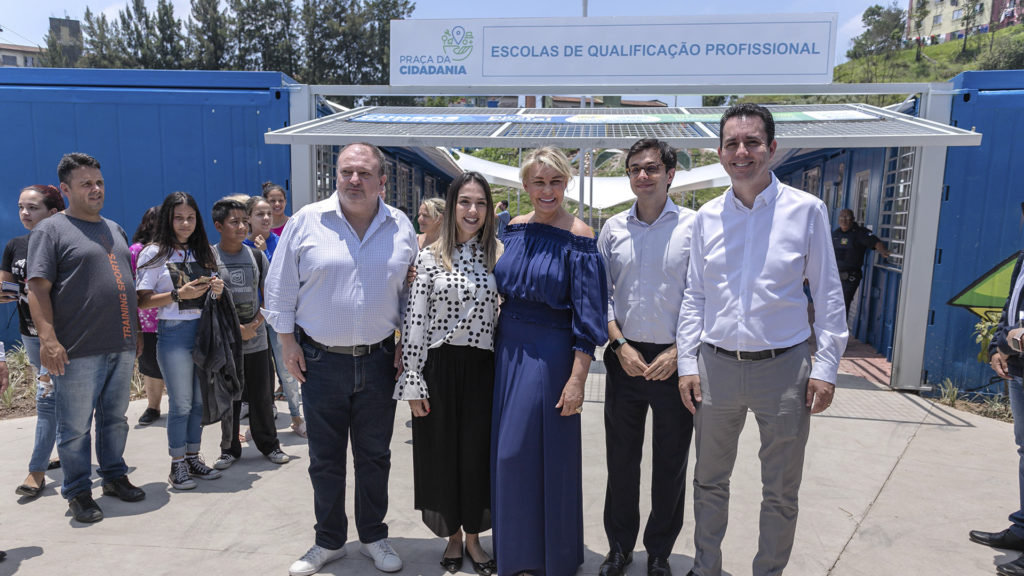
303 158
590 208
919 260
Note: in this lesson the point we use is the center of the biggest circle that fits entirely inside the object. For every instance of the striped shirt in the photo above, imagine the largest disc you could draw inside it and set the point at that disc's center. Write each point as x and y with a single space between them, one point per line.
342 291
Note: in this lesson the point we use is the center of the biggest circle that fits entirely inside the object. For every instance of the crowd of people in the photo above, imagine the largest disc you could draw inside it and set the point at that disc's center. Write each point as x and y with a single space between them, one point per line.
499 318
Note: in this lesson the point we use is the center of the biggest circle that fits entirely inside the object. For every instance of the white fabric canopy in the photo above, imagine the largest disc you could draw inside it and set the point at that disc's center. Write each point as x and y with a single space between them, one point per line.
608 191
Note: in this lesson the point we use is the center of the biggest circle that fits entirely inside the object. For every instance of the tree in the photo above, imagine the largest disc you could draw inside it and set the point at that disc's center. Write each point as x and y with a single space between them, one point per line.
920 13
169 44
54 56
250 23
135 41
972 9
100 39
279 50
881 39
1006 54
380 13
314 43
208 43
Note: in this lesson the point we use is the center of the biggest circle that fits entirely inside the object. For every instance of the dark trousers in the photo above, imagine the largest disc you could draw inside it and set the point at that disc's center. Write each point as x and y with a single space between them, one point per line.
258 392
349 396
850 284
627 400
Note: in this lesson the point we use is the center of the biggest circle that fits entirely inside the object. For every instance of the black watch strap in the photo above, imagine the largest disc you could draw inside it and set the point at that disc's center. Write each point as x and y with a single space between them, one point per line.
617 343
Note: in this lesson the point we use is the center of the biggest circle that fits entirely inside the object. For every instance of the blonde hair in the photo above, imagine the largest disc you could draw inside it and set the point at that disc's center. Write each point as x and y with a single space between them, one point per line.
548 156
435 207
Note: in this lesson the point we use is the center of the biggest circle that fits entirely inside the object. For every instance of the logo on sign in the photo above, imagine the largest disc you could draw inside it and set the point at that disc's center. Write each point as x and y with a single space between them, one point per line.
457 43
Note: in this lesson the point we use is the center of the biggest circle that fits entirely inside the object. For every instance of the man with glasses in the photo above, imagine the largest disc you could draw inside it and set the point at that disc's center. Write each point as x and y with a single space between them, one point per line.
851 241
745 312
334 294
646 250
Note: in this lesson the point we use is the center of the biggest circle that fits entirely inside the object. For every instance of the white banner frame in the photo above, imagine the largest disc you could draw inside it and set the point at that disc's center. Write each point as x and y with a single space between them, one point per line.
615 51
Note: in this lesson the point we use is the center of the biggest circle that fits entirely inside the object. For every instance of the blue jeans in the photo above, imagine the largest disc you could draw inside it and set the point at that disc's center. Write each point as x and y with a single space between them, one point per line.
46 410
175 340
1017 407
288 382
349 396
100 383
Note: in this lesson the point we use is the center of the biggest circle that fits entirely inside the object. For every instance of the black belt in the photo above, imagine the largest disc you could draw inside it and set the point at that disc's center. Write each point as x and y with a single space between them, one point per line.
752 356
357 350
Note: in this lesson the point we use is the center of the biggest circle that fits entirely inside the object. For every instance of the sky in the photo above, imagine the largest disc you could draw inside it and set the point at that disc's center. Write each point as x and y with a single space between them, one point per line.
27 23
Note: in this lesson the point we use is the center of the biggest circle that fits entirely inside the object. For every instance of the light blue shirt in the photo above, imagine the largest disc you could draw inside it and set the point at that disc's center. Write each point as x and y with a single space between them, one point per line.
341 290
646 268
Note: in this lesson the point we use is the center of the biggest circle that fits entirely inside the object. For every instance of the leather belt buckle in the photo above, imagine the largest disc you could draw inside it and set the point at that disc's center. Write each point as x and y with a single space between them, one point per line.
362 350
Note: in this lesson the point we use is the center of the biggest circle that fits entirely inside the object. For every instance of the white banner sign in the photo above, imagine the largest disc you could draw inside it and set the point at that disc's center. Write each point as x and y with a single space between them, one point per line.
760 49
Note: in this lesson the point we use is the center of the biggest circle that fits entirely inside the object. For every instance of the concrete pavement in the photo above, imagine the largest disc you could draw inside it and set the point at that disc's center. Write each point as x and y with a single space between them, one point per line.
892 485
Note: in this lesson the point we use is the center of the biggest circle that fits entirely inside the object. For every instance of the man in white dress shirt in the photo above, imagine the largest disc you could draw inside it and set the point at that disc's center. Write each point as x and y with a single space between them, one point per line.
335 293
742 337
646 250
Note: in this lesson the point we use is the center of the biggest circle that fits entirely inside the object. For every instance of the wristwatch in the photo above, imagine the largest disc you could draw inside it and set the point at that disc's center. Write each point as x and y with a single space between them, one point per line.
616 344
174 295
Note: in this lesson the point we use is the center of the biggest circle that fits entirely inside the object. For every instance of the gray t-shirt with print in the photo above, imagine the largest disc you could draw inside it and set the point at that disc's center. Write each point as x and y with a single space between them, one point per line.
93 293
240 277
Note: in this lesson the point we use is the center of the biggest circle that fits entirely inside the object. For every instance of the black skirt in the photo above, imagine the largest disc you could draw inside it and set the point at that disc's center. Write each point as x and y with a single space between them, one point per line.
451 444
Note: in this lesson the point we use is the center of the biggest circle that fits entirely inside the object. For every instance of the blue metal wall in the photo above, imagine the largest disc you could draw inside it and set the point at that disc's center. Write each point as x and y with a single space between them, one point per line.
154 132
879 294
980 223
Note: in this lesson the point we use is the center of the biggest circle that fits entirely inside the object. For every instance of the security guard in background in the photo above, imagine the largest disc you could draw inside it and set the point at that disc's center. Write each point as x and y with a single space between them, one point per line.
850 242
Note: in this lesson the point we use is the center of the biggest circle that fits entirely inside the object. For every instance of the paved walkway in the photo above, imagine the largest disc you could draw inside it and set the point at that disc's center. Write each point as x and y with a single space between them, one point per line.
892 485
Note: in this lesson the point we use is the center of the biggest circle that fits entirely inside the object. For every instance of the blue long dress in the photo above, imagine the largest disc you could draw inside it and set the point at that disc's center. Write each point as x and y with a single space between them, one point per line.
556 298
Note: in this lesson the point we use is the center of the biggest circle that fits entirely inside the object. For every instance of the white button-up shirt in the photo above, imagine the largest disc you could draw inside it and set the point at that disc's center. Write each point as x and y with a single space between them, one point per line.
745 280
341 290
646 265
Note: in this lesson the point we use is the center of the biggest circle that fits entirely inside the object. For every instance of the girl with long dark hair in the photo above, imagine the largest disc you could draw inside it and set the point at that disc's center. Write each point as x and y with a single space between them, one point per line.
178 271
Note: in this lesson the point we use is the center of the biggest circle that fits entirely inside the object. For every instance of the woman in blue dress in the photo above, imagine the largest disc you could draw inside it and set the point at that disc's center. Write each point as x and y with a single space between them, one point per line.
553 316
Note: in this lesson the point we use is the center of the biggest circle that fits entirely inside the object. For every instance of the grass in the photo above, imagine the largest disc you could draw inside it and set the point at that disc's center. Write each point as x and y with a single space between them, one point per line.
20 397
948 393
22 377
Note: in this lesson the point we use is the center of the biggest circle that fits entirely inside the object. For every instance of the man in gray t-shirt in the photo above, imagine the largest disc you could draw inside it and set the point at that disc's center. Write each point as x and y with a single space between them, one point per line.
83 303
244 271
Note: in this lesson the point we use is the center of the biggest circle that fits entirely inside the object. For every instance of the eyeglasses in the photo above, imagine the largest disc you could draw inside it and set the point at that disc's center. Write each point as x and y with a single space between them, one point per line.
650 169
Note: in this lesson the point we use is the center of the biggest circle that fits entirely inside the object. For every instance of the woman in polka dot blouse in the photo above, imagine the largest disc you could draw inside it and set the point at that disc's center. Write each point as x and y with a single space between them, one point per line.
448 339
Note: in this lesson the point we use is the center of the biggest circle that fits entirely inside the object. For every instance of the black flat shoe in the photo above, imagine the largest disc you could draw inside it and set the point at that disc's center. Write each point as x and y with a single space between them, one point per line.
53 465
30 491
484 568
452 565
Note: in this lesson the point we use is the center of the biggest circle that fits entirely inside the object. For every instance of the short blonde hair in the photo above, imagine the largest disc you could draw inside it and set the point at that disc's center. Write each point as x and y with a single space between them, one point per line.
548 156
435 207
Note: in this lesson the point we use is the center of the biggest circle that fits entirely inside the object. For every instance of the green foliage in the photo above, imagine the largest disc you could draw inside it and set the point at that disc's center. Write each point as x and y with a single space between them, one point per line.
207 44
169 43
881 40
21 375
506 156
948 393
1006 54
984 330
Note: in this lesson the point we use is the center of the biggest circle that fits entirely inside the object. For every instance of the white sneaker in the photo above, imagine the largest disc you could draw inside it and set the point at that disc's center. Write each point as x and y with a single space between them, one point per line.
384 556
313 560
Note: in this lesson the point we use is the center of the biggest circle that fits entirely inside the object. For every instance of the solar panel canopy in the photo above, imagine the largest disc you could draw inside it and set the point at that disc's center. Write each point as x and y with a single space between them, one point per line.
796 126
